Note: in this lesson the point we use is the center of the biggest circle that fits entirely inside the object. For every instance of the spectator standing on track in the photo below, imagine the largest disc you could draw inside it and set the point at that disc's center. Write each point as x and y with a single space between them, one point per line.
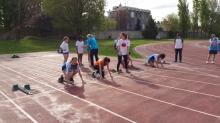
178 47
65 48
123 47
80 49
213 49
94 48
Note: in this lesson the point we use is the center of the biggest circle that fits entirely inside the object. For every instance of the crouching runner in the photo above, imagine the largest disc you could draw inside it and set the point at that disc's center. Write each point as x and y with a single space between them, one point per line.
99 67
69 70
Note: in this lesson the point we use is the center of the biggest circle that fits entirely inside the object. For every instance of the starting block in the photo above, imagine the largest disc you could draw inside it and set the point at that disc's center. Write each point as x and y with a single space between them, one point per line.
26 89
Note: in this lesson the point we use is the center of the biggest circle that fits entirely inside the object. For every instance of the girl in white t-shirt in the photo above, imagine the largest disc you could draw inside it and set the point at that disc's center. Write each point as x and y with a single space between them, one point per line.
80 49
123 47
65 48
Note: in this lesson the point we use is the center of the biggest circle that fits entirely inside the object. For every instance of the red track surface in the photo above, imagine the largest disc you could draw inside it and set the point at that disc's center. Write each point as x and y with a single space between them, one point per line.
187 92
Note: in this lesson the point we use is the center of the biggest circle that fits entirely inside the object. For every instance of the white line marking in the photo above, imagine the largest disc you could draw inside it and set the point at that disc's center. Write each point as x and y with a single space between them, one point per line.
73 96
25 113
162 101
122 91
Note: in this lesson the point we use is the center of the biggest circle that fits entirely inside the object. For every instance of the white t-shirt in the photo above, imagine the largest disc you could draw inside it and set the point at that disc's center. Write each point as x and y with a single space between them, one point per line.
65 46
179 43
123 44
80 45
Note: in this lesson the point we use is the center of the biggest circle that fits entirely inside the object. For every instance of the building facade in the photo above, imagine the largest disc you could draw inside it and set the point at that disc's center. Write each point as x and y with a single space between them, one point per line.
129 16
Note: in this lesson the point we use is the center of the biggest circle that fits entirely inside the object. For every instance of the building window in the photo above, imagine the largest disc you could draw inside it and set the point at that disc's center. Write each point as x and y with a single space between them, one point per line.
132 14
143 26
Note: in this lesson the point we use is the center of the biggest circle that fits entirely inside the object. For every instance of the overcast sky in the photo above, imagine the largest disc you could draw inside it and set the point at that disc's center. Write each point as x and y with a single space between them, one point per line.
158 8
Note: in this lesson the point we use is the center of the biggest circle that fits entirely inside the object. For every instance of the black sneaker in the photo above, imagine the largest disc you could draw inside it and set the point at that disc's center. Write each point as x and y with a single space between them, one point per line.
61 79
71 79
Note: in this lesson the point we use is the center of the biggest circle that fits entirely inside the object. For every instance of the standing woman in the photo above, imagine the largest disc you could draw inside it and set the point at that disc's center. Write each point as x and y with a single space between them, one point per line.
123 46
178 47
65 48
94 48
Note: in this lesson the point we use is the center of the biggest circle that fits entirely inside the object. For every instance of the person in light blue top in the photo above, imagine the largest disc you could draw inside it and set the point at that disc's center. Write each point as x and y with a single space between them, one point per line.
213 49
94 48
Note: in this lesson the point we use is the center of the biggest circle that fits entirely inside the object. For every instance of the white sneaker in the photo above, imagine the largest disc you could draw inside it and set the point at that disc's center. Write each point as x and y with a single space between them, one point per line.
96 75
212 62
207 62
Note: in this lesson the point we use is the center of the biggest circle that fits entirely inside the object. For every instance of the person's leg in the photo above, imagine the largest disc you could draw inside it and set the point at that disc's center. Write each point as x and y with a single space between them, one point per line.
88 52
65 57
96 51
180 55
210 53
119 62
80 59
91 57
126 61
151 64
96 71
176 53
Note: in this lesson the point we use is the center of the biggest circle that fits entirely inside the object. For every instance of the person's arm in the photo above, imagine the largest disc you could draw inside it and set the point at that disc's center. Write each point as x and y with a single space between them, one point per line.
128 47
118 47
62 47
174 44
109 70
161 62
81 76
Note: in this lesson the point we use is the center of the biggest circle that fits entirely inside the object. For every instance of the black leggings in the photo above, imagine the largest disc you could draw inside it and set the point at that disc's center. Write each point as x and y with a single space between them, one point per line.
97 70
180 54
92 53
125 61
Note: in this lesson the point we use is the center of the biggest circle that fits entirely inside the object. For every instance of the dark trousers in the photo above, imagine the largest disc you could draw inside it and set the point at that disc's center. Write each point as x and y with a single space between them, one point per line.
178 51
92 53
125 61
97 70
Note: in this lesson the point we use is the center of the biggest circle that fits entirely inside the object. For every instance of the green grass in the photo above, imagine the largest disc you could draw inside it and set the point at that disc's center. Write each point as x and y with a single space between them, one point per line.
35 44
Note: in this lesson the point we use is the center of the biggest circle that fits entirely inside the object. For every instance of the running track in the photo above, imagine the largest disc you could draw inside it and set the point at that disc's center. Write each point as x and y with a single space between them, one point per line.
187 92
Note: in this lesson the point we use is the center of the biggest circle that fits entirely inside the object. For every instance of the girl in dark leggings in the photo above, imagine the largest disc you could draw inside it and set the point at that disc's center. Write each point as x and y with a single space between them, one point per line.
99 66
123 47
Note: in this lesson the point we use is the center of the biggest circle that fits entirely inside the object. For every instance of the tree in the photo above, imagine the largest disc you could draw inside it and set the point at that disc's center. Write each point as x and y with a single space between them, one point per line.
171 23
110 24
195 16
80 16
204 16
43 24
151 29
123 19
138 25
214 16
184 17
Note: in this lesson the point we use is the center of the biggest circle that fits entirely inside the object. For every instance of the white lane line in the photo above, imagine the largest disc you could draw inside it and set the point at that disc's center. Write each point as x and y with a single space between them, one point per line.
129 120
172 104
25 113
173 87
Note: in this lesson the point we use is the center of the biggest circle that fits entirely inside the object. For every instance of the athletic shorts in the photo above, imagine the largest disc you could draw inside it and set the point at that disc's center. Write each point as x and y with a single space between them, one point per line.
151 59
66 53
212 51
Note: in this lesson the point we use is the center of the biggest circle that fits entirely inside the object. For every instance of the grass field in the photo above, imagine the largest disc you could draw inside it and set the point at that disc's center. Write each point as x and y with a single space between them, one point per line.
35 44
